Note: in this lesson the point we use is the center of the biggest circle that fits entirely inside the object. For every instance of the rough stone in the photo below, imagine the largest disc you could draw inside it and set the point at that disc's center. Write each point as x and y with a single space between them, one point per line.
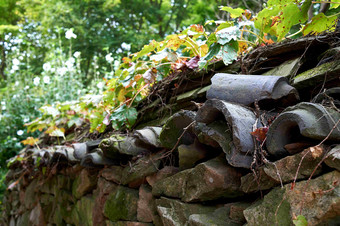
285 69
173 186
31 194
285 170
146 211
49 186
220 217
317 75
127 223
212 180
122 204
113 173
134 174
174 128
207 181
318 200
104 188
333 159
84 183
189 155
161 174
37 216
23 220
82 213
176 213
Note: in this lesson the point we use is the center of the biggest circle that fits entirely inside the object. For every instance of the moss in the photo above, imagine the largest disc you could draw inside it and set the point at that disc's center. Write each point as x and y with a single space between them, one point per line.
122 204
274 209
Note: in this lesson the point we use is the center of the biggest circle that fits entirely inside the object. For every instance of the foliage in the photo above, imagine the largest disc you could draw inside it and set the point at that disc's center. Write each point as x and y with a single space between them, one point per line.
190 48
300 221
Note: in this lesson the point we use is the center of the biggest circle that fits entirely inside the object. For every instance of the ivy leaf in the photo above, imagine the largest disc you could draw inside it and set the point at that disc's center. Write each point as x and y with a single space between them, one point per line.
234 13
320 23
300 221
229 52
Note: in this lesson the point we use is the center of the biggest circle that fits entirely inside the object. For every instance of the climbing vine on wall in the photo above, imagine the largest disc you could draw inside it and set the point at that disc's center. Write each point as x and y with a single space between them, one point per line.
193 48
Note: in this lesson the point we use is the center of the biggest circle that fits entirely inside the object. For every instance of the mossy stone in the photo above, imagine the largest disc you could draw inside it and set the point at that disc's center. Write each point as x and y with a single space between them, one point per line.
122 204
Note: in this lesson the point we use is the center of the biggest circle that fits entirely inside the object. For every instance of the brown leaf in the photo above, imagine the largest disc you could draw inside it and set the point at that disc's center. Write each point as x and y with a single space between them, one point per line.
260 133
193 62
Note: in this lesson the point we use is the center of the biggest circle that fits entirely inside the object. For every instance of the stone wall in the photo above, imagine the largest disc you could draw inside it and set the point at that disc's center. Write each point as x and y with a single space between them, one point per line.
255 151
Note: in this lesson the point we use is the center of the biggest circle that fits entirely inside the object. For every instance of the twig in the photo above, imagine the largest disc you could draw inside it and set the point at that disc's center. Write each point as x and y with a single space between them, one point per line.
178 140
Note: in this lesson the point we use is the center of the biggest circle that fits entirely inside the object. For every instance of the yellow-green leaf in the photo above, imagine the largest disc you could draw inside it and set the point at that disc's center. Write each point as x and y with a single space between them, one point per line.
234 13
320 23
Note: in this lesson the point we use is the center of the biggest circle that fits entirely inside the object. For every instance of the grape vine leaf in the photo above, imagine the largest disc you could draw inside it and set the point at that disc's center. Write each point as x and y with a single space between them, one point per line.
320 23
229 52
279 16
234 13
335 4
227 34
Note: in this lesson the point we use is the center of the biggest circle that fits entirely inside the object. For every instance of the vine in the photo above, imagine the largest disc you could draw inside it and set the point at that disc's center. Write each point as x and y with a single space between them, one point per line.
194 48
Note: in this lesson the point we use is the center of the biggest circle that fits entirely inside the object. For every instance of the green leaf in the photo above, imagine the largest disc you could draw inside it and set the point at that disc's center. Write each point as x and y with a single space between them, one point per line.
335 4
227 34
320 23
224 25
300 221
278 18
213 51
146 49
131 116
49 110
229 52
234 13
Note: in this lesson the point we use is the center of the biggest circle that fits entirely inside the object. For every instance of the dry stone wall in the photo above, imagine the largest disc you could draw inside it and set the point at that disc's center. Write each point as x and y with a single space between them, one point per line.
254 152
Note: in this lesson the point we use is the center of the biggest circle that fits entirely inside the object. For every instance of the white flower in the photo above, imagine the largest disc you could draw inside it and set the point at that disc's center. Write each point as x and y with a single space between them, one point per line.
109 58
3 108
69 34
15 67
36 81
76 54
46 79
126 46
15 62
116 64
100 85
69 63
26 87
16 83
26 119
62 71
20 132
3 102
47 66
